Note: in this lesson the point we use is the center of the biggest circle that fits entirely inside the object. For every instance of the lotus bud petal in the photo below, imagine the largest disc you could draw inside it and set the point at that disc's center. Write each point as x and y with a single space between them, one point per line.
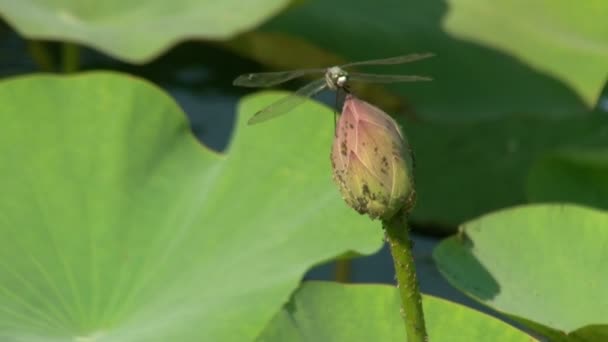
371 161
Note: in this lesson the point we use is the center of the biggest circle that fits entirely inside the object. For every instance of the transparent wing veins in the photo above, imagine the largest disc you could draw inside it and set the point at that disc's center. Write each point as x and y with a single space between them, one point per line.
289 102
393 60
269 79
379 78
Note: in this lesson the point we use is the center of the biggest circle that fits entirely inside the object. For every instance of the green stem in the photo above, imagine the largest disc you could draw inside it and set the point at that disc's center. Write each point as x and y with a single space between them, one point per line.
70 57
397 236
40 54
343 270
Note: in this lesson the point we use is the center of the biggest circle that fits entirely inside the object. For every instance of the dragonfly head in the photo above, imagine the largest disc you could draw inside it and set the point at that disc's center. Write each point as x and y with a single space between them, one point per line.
336 77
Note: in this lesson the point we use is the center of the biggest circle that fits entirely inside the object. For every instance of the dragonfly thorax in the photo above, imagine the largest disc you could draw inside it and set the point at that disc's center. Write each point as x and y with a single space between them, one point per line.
336 78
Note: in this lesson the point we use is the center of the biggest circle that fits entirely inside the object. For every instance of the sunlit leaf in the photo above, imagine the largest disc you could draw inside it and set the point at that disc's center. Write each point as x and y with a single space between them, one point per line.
116 224
566 40
352 313
135 31
544 265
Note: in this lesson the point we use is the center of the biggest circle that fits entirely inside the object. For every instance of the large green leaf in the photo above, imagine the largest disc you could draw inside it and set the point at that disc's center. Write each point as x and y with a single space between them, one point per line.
548 34
472 81
135 31
350 313
117 225
572 175
466 170
544 265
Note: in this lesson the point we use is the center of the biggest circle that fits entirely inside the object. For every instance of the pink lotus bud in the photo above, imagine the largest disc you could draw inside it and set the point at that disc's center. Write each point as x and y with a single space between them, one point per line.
371 161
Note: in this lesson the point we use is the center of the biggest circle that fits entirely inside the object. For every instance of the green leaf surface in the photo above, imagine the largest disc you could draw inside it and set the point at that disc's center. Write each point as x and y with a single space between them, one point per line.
573 175
471 81
116 224
135 31
565 39
466 170
544 265
336 312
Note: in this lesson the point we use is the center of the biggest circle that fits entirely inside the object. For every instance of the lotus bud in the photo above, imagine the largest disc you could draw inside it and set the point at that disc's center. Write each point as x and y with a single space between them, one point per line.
371 161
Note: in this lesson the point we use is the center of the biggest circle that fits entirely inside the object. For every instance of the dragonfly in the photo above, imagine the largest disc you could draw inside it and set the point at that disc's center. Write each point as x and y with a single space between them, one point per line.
335 78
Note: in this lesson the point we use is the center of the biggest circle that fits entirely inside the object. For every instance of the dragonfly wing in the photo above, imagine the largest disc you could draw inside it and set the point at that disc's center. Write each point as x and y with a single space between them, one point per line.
378 78
392 60
269 79
284 105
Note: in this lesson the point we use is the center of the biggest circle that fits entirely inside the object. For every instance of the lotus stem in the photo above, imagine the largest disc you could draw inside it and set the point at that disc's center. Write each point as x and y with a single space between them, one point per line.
70 59
397 235
41 55
343 270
